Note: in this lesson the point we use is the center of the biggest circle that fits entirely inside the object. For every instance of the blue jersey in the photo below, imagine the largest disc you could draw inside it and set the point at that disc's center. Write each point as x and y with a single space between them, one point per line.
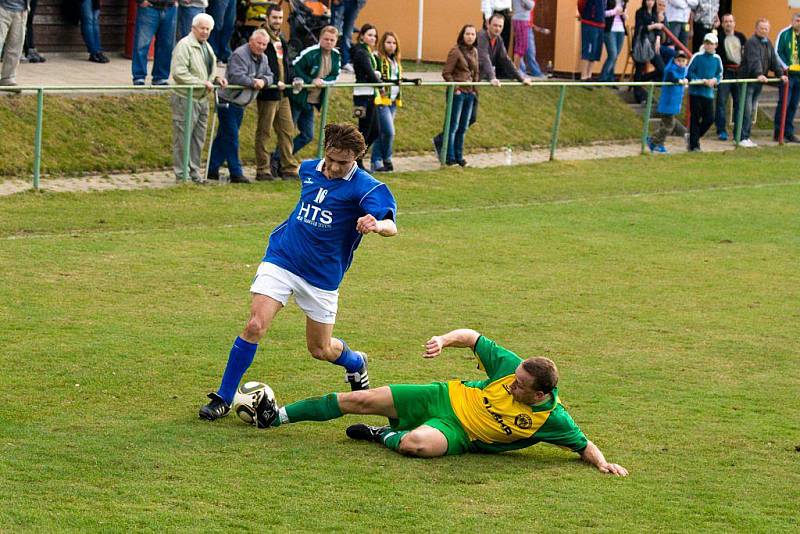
319 238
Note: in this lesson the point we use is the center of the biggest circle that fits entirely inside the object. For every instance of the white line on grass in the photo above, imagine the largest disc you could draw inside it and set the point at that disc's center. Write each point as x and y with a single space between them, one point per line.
646 194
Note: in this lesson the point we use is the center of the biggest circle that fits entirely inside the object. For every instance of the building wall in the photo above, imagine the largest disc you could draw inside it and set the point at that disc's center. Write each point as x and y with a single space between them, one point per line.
56 28
442 21
777 12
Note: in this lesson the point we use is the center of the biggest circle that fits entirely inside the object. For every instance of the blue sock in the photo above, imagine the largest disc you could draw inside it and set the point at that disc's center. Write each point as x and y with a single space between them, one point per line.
349 359
240 358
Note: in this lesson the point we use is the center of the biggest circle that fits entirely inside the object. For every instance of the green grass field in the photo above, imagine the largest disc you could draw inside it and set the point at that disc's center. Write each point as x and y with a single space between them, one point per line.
666 290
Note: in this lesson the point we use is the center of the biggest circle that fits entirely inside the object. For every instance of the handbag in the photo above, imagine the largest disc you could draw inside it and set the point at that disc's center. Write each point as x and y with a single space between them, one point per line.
643 50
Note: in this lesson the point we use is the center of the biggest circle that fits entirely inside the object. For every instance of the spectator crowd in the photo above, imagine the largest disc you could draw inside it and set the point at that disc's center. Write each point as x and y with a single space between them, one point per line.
286 77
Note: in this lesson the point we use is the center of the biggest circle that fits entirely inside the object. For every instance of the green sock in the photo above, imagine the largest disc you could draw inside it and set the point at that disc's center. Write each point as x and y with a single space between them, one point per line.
391 438
313 409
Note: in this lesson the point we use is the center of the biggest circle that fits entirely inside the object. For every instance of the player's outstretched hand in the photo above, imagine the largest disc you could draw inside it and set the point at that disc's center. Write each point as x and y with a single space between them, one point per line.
613 469
433 347
367 224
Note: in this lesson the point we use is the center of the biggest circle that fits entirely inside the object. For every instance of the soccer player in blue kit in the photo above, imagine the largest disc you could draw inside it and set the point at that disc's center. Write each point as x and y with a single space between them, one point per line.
308 255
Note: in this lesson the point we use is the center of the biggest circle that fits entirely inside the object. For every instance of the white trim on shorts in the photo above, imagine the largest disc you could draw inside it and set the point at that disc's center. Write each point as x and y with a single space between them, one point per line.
275 282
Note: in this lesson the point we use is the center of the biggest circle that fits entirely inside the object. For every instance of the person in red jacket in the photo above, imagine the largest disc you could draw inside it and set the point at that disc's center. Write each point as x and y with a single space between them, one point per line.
592 15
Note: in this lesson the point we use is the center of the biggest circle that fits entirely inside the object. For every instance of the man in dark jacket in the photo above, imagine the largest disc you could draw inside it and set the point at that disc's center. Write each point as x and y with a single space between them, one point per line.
247 67
274 107
730 49
758 59
493 61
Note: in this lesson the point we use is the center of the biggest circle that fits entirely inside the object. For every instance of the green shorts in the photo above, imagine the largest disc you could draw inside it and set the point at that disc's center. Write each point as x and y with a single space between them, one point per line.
429 405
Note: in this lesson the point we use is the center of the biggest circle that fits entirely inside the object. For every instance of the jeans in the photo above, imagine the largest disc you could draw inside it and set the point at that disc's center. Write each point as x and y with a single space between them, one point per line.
224 14
613 41
29 28
90 27
161 24
750 101
185 16
701 120
459 122
226 143
531 66
791 108
304 119
382 147
679 30
344 18
721 117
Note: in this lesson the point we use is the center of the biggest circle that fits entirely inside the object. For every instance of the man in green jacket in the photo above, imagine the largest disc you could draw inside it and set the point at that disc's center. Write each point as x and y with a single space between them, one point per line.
788 48
317 65
193 63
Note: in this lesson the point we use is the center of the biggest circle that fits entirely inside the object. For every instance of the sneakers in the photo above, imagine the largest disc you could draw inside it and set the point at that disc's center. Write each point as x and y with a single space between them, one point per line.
240 179
264 177
360 379
723 136
747 143
650 144
215 409
348 68
98 58
34 56
658 149
364 432
266 412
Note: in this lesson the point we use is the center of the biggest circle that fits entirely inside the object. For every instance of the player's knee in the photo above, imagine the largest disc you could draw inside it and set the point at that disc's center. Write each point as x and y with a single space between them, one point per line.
413 445
255 328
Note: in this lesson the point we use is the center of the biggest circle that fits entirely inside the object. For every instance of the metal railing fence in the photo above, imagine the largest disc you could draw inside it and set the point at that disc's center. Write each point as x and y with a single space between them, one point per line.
329 88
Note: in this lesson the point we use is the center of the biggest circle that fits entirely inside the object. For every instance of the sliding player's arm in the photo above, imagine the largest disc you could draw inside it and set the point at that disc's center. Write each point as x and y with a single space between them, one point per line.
594 456
462 338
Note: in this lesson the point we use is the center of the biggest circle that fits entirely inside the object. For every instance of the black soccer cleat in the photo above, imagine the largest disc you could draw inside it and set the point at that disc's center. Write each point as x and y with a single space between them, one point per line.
364 432
215 409
360 379
266 412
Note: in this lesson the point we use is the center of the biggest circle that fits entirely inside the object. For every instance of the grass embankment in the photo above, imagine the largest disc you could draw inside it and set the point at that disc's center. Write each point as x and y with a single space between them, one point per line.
665 289
130 133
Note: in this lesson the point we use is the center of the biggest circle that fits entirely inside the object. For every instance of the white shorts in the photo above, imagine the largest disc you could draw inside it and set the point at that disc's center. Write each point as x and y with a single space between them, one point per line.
275 282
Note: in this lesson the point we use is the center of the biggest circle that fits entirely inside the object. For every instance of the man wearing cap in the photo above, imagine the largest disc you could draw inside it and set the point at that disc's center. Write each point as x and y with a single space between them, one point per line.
705 66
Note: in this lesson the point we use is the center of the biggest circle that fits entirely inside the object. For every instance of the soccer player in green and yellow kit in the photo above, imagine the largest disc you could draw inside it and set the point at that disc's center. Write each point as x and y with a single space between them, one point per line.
515 407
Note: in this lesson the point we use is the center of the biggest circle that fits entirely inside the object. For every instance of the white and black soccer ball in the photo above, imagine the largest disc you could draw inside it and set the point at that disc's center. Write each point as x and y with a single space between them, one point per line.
247 398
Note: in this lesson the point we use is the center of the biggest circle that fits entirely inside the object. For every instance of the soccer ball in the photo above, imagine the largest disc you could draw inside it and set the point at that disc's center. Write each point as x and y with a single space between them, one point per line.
247 398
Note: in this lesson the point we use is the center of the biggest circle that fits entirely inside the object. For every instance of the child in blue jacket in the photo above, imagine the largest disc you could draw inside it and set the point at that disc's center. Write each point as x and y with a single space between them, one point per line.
669 105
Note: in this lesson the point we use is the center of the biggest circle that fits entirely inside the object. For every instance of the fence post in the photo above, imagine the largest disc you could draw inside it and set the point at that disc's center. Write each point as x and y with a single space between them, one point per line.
187 133
446 131
323 120
557 123
785 90
37 142
647 112
742 103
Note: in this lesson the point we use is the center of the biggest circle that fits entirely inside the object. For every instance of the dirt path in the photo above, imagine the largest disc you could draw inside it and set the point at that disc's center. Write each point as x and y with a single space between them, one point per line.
160 179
